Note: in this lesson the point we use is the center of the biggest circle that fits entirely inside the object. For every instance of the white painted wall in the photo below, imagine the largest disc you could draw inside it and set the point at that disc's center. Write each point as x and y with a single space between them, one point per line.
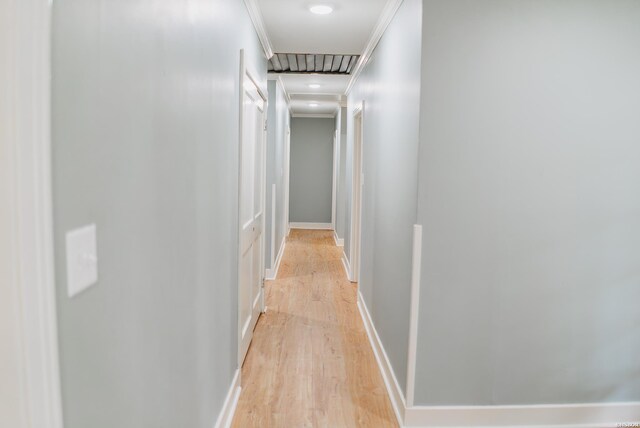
341 190
311 170
12 387
278 123
13 411
29 386
528 196
390 88
146 145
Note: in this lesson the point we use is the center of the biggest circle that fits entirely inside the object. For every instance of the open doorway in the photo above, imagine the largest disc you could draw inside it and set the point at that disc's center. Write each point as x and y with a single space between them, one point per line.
356 200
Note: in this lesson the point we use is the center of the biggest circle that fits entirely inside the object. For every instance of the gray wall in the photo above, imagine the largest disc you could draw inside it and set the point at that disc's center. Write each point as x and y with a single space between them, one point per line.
145 144
390 88
278 123
311 170
529 172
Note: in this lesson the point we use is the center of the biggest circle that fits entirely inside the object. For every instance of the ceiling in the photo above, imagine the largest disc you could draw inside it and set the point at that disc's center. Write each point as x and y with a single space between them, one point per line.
327 96
334 84
292 28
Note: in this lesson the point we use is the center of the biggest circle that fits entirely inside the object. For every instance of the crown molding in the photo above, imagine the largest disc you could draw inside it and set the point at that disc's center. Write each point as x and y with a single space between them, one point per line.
258 23
286 94
284 89
386 16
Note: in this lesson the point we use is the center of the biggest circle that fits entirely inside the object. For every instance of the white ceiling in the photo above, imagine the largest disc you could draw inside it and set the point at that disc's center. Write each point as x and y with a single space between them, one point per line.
327 96
329 83
325 106
292 28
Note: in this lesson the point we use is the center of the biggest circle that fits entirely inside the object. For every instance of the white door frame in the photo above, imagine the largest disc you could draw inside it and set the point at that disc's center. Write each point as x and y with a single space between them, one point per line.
334 186
26 216
246 72
287 170
357 180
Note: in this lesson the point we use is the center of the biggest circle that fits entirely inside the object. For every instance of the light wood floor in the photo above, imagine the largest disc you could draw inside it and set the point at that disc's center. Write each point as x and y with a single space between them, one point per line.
310 363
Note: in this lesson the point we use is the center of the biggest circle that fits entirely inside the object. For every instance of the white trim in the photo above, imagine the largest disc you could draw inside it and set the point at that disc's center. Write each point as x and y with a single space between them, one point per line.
230 403
278 78
312 226
357 172
334 176
263 190
273 227
390 381
28 141
287 179
386 16
588 415
347 265
258 24
414 311
339 241
602 415
272 274
315 115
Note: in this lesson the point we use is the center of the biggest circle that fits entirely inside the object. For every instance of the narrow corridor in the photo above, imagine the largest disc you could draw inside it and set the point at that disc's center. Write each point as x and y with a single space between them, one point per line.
310 363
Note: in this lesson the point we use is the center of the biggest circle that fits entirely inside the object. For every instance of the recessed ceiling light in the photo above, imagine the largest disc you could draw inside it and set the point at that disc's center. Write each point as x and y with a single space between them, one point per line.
314 85
321 9
313 104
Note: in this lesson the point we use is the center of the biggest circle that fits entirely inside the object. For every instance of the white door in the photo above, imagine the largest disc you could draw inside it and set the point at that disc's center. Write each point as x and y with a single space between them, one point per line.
252 182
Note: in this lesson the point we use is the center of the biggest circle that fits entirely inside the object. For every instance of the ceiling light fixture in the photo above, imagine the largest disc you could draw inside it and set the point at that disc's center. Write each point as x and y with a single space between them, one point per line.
314 85
313 104
321 9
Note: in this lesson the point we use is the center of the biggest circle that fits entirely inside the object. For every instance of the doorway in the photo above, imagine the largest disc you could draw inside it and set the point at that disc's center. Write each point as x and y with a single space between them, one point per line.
251 208
356 201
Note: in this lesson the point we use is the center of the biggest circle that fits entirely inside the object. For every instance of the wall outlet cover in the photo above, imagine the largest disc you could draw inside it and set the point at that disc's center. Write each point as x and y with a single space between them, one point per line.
82 259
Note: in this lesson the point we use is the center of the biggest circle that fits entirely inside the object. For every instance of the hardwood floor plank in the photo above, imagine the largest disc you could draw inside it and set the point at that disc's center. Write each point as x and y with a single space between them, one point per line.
310 363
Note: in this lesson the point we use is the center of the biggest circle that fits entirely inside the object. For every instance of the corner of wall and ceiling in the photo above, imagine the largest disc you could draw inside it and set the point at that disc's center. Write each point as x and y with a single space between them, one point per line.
261 31
286 94
258 23
386 16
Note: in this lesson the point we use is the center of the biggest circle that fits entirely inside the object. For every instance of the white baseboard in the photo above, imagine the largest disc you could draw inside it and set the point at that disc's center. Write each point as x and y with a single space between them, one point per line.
596 415
600 415
272 274
390 381
313 226
347 266
339 241
414 311
229 407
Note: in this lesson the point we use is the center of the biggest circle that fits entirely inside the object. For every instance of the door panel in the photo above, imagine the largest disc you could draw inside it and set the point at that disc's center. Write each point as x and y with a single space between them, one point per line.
251 262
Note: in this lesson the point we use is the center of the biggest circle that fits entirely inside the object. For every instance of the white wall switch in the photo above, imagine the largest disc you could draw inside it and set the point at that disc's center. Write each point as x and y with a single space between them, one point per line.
82 259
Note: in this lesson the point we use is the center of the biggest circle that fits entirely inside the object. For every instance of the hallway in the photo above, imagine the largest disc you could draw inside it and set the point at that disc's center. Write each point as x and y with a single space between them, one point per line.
310 363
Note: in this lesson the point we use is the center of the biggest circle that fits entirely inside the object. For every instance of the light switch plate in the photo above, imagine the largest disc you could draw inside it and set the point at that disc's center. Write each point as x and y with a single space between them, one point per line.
82 259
